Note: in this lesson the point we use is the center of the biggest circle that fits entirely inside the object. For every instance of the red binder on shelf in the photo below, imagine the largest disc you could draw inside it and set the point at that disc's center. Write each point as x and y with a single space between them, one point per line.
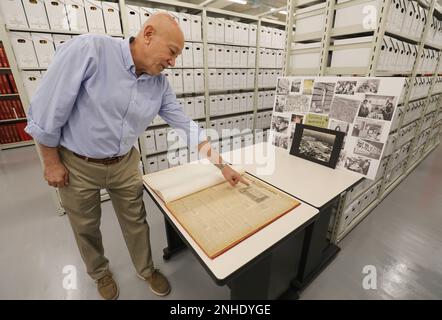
12 83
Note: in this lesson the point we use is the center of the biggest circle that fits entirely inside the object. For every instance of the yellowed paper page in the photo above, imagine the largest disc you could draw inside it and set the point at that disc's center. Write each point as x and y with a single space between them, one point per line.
221 216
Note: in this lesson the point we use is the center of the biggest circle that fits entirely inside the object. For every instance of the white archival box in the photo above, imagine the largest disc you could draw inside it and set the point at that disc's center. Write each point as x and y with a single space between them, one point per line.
161 139
23 47
251 57
162 162
252 35
228 31
213 105
228 104
236 56
187 54
188 81
250 96
219 30
219 56
199 107
152 164
145 14
133 19
211 56
149 141
94 16
199 80
244 34
31 81
310 19
235 78
212 79
44 48
220 100
353 15
13 14
235 102
75 10
177 81
228 79
189 107
57 15
243 78
237 33
211 30
60 39
354 57
36 14
228 52
250 78
198 54
185 25
111 12
195 27
244 52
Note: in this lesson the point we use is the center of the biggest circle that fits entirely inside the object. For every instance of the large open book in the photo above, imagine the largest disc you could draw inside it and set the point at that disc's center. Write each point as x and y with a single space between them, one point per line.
216 215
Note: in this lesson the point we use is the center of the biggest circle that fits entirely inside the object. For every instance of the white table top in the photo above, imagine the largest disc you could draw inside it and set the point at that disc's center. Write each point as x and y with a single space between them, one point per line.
310 182
236 257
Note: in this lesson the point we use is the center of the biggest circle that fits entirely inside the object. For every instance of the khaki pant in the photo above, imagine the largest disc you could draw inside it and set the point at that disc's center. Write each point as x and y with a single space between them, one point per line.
81 200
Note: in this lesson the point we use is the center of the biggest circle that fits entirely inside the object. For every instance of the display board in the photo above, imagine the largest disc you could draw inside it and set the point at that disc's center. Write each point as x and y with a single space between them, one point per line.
362 107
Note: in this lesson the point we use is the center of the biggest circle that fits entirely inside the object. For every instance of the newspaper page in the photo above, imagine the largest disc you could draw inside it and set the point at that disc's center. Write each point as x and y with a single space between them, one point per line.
177 182
221 216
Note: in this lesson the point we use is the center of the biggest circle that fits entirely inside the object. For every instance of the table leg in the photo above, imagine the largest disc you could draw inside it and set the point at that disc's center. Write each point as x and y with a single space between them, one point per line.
318 251
174 242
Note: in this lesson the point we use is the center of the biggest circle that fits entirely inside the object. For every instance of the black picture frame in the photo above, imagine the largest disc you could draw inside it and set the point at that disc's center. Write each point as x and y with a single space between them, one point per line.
317 144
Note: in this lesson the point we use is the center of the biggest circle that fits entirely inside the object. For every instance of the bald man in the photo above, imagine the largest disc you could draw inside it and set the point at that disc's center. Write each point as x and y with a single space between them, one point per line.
98 95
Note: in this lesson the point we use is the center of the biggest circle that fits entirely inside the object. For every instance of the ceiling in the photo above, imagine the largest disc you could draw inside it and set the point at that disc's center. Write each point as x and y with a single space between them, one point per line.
253 7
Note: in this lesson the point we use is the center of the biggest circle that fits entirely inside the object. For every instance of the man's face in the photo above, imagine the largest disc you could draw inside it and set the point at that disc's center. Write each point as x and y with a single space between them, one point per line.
161 50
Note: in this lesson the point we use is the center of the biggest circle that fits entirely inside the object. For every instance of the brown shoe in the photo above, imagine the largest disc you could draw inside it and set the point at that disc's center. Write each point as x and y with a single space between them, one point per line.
107 287
158 283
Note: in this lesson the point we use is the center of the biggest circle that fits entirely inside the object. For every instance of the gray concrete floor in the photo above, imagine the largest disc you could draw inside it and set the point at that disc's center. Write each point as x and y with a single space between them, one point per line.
401 240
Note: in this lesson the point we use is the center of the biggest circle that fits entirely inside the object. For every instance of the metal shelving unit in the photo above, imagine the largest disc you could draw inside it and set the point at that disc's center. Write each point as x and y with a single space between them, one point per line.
205 13
13 69
329 33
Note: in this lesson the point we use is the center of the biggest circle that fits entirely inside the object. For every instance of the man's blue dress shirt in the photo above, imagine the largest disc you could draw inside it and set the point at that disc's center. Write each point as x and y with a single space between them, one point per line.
91 101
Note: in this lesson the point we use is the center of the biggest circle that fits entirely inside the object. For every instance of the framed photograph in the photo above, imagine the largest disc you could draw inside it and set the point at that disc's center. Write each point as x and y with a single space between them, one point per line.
318 145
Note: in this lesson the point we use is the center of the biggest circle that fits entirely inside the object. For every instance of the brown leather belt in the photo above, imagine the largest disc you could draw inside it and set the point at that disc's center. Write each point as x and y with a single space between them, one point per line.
106 161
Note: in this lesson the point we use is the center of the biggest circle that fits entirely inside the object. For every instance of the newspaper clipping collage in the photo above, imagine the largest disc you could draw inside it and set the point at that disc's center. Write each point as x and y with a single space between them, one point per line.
361 107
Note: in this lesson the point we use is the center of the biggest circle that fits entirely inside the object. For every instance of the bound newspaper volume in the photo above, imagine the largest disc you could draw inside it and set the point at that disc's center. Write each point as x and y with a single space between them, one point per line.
216 215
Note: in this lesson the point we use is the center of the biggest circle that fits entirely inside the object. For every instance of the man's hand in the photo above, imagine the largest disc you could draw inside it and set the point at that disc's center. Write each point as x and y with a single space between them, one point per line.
232 176
56 175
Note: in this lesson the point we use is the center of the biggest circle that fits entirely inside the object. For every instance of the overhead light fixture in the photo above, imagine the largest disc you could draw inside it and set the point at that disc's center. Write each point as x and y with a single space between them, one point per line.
239 1
283 12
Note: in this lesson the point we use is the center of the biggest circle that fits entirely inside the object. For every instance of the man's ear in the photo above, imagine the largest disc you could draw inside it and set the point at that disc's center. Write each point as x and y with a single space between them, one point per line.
148 33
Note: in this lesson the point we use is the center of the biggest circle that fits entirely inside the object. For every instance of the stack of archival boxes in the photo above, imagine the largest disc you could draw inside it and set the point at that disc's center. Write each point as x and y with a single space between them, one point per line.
35 50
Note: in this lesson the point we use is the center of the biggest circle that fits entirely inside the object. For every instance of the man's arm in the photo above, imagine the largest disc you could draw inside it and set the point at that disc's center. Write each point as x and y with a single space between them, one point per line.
174 115
55 173
53 101
229 174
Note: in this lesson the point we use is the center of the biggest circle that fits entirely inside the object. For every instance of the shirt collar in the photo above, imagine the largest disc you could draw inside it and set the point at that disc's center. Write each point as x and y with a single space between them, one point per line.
127 55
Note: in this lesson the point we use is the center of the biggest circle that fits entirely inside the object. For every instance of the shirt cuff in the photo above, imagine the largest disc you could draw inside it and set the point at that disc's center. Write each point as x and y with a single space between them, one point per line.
47 139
